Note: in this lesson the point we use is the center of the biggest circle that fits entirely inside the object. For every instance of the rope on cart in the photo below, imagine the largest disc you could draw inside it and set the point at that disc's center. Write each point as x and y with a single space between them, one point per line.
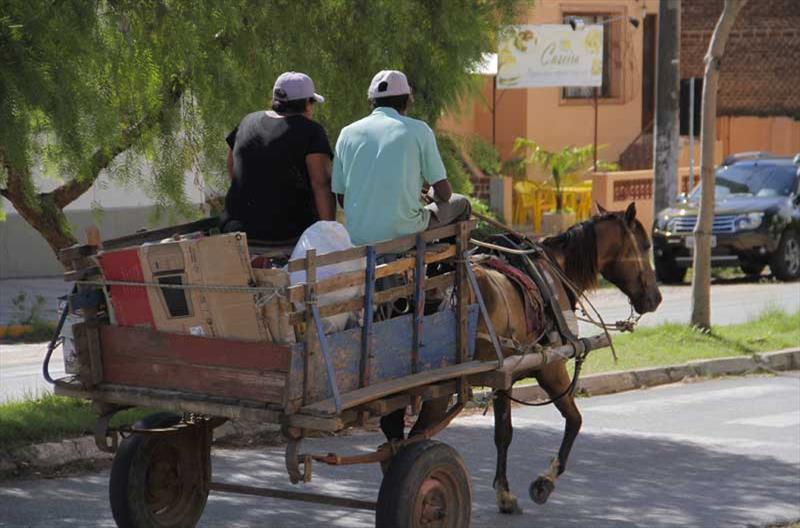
267 293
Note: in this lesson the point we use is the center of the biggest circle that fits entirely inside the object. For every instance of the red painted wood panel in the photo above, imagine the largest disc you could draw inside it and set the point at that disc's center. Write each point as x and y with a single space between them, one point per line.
130 303
213 381
193 350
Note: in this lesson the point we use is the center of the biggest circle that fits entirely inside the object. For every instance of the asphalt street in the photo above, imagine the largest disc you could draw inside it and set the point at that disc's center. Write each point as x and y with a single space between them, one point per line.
720 453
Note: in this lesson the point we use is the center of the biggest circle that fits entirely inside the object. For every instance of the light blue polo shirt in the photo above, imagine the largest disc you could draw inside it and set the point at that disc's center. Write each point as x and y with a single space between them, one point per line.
380 165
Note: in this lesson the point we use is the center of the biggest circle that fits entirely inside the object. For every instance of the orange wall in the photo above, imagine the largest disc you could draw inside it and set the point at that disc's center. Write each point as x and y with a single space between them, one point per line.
779 135
542 115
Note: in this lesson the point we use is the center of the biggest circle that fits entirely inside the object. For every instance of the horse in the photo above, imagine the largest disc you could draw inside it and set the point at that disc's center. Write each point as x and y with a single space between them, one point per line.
613 245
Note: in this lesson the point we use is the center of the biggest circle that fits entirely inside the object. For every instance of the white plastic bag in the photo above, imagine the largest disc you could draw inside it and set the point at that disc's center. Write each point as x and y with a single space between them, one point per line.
327 237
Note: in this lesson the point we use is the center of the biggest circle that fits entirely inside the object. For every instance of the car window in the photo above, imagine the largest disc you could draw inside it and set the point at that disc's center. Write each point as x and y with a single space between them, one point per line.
753 180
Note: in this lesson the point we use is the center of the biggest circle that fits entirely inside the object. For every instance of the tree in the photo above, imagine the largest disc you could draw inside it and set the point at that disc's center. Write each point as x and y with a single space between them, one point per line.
84 81
701 282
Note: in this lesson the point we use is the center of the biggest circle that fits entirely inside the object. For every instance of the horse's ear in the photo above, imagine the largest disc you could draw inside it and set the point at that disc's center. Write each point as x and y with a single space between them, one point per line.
630 213
600 209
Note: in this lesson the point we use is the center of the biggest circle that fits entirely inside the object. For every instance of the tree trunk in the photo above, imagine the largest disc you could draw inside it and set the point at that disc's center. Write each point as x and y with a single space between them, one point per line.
701 283
667 132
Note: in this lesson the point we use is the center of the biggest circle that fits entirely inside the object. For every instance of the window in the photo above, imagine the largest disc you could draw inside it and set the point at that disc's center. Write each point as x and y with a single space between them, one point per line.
610 86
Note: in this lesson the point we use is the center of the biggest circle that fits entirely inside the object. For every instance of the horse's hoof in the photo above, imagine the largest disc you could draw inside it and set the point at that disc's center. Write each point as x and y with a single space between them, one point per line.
507 503
541 489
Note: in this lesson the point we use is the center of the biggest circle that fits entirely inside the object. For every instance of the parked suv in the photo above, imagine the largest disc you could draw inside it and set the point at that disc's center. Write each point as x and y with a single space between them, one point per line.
756 221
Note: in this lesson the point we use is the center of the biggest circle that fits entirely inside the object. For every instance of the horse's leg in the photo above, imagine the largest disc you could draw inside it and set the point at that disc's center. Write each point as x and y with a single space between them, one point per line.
393 424
431 413
554 379
503 433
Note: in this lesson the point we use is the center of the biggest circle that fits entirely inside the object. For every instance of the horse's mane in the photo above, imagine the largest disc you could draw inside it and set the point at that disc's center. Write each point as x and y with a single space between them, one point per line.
579 247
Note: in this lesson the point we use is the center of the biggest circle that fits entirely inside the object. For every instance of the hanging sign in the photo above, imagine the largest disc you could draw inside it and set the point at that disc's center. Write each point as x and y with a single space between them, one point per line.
536 56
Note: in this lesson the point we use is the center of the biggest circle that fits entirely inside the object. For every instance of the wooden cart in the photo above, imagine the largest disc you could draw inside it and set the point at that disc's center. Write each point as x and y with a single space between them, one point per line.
161 475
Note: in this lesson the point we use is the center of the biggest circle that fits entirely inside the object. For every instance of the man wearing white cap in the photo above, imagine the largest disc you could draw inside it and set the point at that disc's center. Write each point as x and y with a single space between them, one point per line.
383 162
279 164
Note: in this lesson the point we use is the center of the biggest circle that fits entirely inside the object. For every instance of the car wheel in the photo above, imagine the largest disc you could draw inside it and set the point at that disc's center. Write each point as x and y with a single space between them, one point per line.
785 263
668 271
752 269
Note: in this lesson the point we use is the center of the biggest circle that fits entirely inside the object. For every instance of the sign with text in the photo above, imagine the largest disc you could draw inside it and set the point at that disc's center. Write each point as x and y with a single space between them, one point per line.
550 55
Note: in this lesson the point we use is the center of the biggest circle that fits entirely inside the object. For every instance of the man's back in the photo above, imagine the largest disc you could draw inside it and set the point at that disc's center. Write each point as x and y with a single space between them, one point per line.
380 166
270 190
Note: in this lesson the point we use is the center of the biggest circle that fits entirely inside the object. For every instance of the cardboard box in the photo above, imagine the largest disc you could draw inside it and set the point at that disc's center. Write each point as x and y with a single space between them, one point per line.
218 261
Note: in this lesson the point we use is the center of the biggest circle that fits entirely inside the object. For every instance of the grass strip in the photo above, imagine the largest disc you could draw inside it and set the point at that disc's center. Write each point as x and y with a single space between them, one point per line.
675 344
50 418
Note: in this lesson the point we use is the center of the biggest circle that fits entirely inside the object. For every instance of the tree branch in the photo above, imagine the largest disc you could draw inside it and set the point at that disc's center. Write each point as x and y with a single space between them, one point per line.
102 158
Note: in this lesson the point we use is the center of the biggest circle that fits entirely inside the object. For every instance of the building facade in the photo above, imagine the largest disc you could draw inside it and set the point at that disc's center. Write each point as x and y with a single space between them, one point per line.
759 91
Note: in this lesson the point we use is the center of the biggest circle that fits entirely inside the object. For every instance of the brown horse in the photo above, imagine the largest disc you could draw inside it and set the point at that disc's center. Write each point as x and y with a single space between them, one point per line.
614 245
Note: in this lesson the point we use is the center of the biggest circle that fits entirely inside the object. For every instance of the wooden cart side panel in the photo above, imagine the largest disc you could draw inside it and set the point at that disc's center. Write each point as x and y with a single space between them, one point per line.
392 342
215 367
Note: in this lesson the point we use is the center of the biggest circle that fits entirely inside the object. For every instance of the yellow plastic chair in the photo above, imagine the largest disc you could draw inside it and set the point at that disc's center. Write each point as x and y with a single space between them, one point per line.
524 202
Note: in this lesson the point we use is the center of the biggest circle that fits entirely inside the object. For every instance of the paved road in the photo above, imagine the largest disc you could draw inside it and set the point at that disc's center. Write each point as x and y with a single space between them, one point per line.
732 302
21 370
722 453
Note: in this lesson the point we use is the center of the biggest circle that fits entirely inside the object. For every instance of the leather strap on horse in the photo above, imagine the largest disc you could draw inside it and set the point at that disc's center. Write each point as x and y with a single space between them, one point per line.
534 311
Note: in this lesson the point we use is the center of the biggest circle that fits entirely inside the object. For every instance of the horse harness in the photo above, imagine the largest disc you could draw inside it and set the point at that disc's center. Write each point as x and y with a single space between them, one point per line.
536 280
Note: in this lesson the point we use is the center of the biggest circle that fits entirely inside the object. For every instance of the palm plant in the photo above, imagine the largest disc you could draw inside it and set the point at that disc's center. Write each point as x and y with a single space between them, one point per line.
562 165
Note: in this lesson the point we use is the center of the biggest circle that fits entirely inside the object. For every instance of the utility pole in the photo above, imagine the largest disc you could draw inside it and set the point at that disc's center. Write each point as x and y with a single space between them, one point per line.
667 132
701 282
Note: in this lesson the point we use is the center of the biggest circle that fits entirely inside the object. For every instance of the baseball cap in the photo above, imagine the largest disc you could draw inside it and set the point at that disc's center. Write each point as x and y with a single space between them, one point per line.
295 85
388 83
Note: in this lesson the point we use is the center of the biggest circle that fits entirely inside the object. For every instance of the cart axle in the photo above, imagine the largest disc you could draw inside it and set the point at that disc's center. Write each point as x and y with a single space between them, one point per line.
317 498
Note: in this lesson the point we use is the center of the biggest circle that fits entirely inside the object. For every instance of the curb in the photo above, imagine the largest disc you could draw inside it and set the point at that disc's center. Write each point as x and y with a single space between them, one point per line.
53 454
620 381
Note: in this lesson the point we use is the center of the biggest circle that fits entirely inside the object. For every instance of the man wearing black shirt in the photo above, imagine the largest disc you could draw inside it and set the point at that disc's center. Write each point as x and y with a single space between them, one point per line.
279 163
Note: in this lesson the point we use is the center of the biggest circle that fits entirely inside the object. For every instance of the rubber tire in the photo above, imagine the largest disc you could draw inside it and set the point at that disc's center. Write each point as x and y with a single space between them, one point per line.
752 269
408 470
668 272
127 470
778 261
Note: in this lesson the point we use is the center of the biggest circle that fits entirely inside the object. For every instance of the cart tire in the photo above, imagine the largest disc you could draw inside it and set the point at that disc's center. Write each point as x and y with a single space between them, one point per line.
427 485
160 480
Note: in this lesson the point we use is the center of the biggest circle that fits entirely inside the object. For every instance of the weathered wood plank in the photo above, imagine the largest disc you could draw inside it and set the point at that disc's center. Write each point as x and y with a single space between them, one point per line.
382 248
257 385
177 401
379 390
350 279
440 281
391 357
193 350
153 235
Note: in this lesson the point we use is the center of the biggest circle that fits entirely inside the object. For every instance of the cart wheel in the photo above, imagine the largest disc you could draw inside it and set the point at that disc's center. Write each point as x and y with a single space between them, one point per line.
427 485
160 480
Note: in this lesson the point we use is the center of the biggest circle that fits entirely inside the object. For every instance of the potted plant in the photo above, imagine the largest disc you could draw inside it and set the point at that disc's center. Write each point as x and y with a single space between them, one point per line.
563 167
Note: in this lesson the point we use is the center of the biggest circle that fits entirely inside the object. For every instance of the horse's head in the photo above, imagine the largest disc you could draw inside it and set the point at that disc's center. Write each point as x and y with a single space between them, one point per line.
623 249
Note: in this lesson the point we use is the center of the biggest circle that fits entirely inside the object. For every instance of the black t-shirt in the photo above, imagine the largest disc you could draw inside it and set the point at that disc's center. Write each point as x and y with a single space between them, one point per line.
270 194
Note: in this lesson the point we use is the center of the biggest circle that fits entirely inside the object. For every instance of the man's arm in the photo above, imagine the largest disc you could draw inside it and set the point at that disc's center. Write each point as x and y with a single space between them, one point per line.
230 163
319 172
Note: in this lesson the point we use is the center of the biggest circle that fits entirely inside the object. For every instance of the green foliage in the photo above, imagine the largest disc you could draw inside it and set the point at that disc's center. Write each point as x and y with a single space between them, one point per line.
47 417
451 157
81 79
485 156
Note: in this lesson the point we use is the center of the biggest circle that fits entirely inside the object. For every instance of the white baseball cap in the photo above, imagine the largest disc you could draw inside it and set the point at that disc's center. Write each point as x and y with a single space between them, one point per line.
295 85
388 83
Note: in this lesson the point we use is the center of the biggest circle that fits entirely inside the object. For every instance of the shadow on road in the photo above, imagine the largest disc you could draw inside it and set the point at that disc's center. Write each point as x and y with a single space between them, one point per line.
613 480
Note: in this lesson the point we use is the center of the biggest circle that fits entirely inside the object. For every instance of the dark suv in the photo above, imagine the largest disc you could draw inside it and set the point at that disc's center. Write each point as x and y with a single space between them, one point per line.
756 221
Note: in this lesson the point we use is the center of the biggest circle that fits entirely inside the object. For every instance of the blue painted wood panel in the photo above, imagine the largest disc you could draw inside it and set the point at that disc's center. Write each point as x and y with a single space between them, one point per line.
392 344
